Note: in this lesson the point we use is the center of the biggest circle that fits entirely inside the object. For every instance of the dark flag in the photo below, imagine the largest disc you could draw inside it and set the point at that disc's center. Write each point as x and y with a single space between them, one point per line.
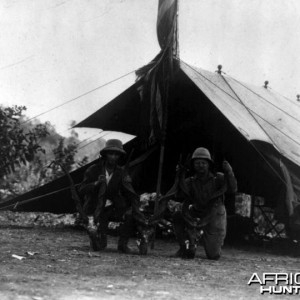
155 81
155 77
166 19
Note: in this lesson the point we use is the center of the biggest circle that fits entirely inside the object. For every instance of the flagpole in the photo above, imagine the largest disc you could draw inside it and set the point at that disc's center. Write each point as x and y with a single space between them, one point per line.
159 175
162 153
176 50
157 77
167 77
160 167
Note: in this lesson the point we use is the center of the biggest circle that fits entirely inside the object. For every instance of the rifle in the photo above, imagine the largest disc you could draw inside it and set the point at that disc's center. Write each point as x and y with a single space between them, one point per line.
90 228
147 227
179 185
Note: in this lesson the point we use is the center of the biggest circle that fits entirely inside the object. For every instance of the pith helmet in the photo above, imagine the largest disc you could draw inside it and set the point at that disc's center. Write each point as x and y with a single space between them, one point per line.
202 153
113 145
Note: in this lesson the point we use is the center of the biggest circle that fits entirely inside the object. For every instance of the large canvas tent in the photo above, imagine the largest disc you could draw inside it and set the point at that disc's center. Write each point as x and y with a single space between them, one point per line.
254 128
183 107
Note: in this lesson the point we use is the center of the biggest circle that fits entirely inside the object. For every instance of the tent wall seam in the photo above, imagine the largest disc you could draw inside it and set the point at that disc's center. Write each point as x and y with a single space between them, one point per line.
275 172
289 137
285 112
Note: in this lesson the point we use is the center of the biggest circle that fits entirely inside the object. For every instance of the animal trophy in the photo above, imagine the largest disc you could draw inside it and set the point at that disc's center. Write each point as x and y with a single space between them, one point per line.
144 238
93 234
194 225
193 236
147 226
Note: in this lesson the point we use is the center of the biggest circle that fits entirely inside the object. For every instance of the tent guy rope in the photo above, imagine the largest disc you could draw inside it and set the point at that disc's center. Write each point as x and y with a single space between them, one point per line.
263 98
289 137
272 168
78 97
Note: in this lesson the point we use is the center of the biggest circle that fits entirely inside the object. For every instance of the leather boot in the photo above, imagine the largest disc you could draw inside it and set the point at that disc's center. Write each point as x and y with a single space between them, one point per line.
180 252
190 253
123 247
103 241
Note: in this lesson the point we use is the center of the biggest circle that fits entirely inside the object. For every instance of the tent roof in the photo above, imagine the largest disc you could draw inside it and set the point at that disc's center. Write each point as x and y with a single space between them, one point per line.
111 116
257 112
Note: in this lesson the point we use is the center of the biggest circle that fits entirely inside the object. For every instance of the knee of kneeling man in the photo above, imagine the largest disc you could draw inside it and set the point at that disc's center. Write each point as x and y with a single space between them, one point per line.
213 257
213 254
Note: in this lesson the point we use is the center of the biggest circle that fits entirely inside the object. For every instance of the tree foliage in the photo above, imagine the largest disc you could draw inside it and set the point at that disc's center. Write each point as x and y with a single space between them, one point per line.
18 144
27 149
64 154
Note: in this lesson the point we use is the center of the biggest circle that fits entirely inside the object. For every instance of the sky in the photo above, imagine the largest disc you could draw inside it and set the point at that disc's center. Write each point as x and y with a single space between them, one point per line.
53 51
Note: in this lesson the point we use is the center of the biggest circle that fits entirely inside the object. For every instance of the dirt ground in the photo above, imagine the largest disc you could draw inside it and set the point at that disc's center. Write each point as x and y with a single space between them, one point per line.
65 268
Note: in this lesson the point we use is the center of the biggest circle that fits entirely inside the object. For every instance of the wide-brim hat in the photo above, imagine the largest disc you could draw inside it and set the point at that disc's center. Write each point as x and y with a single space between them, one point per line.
113 145
202 153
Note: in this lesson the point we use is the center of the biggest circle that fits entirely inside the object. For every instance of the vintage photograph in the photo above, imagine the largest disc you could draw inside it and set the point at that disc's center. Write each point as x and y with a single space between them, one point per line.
150 149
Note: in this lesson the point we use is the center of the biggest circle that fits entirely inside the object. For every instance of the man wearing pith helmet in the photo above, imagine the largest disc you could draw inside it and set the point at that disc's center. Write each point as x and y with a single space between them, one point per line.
109 194
203 206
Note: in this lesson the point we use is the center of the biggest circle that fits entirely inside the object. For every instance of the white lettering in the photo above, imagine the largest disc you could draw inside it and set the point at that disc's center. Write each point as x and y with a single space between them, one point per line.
287 290
266 290
282 277
283 283
253 280
296 289
296 278
268 277
277 290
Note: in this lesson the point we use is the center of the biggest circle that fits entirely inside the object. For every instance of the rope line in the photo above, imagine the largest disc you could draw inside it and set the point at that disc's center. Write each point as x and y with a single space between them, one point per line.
46 165
78 97
35 198
89 138
248 109
290 100
51 193
251 143
289 137
108 132
285 112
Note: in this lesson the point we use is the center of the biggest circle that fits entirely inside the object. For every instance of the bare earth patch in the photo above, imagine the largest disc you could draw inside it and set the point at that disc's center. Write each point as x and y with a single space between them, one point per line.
65 268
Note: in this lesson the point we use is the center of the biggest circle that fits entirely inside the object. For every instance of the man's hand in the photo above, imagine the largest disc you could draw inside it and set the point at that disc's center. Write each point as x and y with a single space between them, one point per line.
101 179
227 167
178 168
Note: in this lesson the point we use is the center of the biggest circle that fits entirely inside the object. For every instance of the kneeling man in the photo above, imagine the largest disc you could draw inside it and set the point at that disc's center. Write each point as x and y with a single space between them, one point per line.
203 206
109 195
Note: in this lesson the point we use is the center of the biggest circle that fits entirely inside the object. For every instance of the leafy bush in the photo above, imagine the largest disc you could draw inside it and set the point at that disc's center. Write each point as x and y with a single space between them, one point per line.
26 150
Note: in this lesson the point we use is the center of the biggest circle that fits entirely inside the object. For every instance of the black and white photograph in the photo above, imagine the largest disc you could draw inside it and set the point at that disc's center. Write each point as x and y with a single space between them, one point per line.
149 149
